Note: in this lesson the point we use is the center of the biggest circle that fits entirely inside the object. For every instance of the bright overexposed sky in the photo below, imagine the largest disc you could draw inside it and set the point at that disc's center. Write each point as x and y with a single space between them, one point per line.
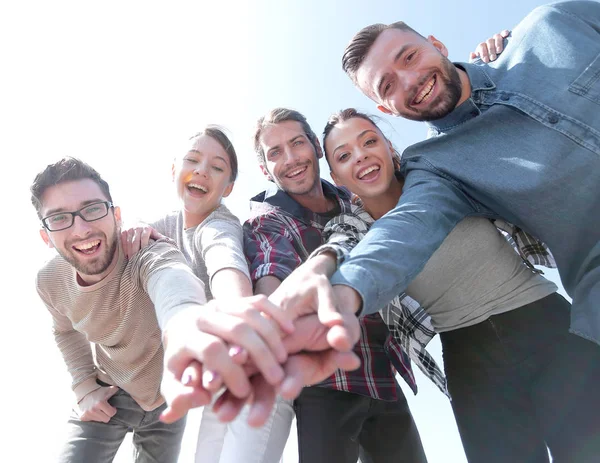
122 85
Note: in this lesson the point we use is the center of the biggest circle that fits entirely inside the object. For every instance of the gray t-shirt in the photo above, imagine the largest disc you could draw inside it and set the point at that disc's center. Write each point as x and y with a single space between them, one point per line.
474 274
213 245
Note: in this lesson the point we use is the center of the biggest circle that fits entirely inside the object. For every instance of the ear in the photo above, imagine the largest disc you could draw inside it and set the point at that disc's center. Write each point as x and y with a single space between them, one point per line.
117 212
173 172
266 173
318 148
439 45
384 110
228 190
46 238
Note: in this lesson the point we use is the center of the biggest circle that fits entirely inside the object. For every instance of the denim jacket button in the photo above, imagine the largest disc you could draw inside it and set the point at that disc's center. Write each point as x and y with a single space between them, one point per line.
489 84
553 119
505 97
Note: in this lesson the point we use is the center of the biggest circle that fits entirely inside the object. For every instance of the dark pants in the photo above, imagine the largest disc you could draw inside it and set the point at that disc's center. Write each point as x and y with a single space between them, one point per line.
519 381
338 427
153 440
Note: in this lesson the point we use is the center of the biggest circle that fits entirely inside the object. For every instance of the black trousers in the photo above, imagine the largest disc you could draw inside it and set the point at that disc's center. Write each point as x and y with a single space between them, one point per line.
338 427
521 384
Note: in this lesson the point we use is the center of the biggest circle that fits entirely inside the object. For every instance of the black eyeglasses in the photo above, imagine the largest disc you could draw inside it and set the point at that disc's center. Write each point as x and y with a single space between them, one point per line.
89 213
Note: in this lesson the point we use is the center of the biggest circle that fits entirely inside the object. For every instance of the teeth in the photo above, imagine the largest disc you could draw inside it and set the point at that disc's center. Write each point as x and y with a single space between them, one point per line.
89 245
296 172
367 171
425 92
198 187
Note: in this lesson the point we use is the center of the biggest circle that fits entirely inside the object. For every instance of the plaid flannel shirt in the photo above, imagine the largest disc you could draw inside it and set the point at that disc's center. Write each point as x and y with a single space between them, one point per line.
278 237
408 321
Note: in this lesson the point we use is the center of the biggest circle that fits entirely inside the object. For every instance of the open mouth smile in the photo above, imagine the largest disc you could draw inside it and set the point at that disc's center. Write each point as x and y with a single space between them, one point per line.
296 172
426 92
88 248
368 173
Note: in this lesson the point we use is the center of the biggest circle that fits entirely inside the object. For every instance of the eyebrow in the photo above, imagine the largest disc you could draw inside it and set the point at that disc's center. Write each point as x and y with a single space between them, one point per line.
81 204
216 155
359 136
402 50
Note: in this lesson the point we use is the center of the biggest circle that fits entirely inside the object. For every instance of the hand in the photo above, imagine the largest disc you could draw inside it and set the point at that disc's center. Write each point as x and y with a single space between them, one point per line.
490 49
203 334
95 407
308 290
136 238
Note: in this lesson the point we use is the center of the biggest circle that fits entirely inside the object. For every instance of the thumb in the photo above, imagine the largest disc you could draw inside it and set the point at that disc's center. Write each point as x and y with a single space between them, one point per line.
155 235
111 390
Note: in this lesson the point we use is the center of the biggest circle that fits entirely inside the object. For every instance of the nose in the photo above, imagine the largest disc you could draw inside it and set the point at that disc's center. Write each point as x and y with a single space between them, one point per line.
361 156
80 227
290 155
201 169
408 79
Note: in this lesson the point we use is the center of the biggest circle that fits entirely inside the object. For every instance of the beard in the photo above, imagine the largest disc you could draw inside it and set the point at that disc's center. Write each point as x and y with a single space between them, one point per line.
307 187
97 265
446 101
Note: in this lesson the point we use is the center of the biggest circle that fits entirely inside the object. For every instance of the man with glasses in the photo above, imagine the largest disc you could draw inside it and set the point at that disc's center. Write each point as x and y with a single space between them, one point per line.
107 315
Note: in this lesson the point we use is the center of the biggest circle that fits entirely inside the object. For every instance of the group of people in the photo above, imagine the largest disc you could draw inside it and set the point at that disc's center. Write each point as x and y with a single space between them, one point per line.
328 293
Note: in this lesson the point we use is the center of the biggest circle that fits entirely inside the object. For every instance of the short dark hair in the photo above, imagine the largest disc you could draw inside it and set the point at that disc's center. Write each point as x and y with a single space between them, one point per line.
347 114
217 133
361 43
68 169
276 116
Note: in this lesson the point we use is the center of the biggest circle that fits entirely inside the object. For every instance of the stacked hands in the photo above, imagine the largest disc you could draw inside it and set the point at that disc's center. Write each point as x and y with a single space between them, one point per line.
248 350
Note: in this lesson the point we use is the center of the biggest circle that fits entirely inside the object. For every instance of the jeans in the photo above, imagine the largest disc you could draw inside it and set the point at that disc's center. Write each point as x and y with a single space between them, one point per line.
339 427
97 442
238 442
522 384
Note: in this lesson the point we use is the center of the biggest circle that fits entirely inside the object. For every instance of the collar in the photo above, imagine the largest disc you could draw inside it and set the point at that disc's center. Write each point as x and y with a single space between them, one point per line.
479 80
278 198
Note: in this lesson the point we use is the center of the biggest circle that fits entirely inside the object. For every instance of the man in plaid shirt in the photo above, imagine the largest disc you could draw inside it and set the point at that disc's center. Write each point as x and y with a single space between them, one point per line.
351 413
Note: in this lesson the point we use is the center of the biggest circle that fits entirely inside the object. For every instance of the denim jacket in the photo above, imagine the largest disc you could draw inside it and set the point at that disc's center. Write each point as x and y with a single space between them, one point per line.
524 147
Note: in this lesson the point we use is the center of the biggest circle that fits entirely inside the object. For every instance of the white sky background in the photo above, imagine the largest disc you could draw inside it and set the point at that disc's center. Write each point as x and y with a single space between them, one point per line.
122 85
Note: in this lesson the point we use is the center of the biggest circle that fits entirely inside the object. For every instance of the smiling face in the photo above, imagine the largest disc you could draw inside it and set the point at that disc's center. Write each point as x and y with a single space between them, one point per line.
361 158
410 76
202 178
291 159
90 247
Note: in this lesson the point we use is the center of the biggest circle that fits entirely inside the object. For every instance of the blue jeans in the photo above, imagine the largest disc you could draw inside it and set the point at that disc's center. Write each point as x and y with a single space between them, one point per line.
522 384
96 442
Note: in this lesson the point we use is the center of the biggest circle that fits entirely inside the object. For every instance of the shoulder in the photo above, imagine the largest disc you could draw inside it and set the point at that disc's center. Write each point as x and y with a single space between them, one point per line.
223 214
53 272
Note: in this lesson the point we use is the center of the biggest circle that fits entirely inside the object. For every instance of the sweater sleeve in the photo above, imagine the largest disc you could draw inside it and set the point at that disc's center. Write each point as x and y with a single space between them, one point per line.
75 350
168 280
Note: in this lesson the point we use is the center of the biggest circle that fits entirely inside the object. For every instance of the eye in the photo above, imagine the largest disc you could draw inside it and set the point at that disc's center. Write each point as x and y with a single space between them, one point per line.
298 142
387 88
370 141
217 168
57 218
273 154
410 56
343 156
191 160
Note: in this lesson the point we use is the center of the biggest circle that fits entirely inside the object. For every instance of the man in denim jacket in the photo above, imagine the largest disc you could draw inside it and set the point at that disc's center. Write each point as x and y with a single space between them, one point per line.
519 139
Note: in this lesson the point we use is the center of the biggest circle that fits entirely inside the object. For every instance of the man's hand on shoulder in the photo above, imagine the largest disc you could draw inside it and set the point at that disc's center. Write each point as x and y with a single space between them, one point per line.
136 238
94 406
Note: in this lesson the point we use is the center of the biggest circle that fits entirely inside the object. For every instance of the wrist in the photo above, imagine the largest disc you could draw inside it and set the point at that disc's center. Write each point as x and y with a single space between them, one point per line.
348 297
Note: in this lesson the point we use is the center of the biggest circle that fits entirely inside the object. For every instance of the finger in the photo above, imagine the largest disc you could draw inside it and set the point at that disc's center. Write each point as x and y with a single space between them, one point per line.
505 33
180 398
111 390
124 243
263 400
212 352
484 53
145 237
310 335
473 56
234 329
238 354
156 235
499 39
282 317
106 408
192 375
491 44
309 368
211 381
227 407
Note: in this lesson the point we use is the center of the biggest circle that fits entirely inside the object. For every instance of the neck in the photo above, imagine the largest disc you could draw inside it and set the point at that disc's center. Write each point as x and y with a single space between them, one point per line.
380 205
465 86
193 219
315 200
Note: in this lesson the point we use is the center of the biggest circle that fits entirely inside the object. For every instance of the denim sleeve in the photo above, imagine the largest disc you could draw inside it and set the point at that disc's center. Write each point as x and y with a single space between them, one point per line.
399 244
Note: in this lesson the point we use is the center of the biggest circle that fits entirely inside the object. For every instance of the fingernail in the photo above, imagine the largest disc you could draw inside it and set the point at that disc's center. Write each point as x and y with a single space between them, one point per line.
493 56
186 379
208 377
234 351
